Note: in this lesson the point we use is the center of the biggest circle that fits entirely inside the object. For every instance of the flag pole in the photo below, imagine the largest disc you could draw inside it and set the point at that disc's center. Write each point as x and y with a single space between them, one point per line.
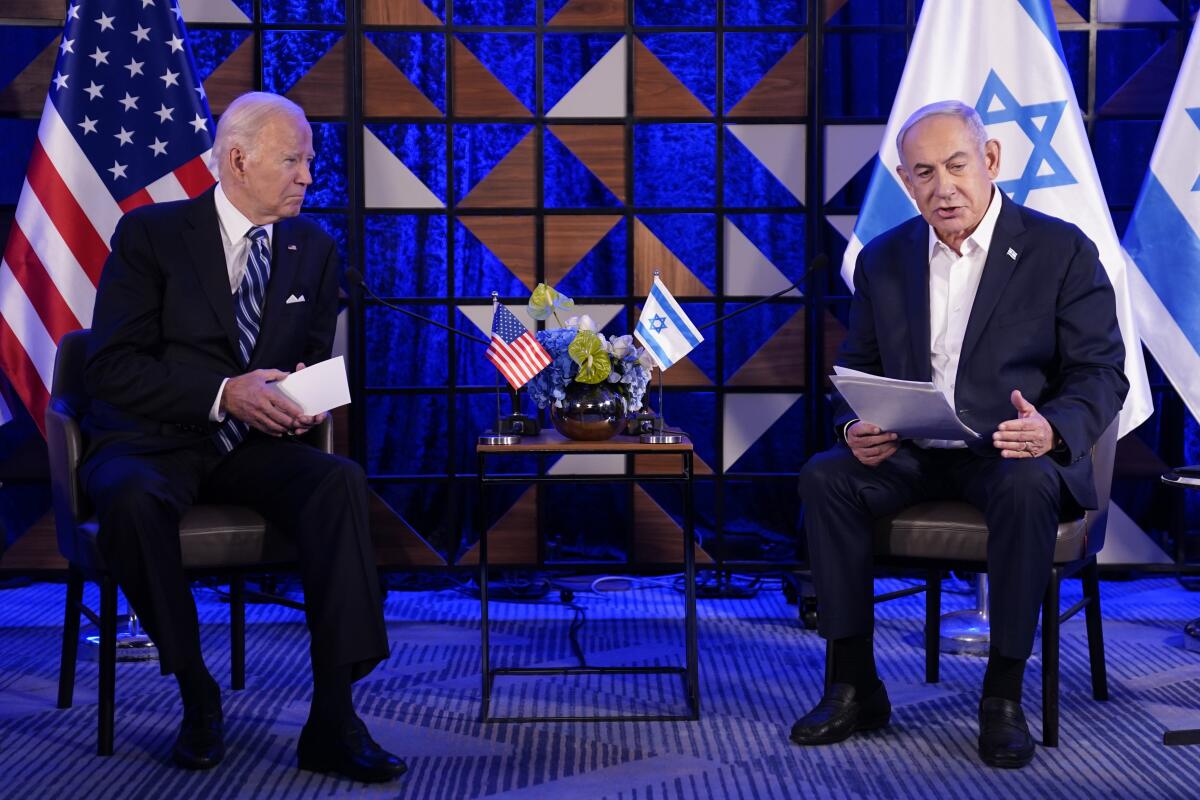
658 433
496 436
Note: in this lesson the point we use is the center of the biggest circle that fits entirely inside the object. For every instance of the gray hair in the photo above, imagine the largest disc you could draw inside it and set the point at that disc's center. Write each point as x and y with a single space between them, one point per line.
244 118
945 108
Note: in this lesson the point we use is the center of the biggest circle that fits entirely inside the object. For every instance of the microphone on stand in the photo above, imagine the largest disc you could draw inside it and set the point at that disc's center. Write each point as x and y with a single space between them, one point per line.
356 278
819 264
516 423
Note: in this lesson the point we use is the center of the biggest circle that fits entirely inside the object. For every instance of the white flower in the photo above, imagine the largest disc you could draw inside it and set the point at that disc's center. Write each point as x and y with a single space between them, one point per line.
621 346
580 322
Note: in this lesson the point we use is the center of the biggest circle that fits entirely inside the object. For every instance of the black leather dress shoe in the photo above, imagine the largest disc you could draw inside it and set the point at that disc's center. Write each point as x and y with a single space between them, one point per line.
840 713
1004 739
349 751
201 740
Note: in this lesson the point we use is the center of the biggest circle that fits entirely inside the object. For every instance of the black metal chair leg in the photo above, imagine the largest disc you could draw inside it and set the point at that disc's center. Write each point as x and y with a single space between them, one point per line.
237 632
108 666
1095 630
70 640
1050 642
933 619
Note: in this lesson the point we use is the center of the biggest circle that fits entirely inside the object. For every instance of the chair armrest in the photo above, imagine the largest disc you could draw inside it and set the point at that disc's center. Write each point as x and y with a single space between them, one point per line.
321 436
65 449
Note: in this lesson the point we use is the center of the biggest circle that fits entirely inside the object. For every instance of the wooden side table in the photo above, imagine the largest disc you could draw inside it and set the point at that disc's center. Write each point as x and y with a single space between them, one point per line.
550 442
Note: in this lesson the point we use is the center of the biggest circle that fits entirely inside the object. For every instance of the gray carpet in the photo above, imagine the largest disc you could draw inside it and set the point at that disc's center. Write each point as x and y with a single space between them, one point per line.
759 671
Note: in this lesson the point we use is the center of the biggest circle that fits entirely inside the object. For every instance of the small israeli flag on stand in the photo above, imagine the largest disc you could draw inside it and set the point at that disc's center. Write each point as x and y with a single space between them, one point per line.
664 329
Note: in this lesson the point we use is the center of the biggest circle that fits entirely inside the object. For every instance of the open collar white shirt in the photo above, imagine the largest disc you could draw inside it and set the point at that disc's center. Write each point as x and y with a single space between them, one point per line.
953 283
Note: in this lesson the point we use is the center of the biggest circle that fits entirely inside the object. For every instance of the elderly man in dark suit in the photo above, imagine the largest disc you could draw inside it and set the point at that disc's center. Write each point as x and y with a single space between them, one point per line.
203 306
1010 313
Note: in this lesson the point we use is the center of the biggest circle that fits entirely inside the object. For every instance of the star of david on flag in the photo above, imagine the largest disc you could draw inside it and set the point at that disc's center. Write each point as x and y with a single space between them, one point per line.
514 349
1004 58
1163 238
125 123
664 329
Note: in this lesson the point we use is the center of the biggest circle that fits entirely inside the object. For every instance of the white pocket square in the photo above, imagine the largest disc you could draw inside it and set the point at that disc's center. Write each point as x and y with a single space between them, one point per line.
294 299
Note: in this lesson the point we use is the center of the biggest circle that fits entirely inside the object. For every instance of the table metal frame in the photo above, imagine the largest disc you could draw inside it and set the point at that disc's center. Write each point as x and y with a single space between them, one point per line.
551 443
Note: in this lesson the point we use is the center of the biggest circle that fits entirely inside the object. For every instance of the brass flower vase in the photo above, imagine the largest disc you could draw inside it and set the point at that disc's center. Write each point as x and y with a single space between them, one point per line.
591 412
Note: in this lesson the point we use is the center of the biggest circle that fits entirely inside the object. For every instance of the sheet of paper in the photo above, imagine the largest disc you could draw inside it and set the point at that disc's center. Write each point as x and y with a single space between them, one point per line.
913 409
319 387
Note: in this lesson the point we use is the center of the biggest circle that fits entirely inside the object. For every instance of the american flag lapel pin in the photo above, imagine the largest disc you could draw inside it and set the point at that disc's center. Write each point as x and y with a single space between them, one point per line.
293 247
1012 254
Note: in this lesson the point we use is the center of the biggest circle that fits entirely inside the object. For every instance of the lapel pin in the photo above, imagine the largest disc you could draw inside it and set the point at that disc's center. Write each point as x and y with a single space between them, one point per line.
293 247
1012 254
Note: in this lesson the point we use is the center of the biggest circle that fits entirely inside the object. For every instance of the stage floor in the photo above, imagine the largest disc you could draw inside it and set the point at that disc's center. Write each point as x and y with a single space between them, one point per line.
759 671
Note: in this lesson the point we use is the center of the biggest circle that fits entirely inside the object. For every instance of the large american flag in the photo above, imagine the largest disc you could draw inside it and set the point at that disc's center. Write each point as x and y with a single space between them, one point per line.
125 123
514 349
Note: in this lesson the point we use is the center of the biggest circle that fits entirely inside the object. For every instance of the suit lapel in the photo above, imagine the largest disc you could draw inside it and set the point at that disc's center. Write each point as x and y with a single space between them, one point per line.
916 300
203 239
285 261
997 270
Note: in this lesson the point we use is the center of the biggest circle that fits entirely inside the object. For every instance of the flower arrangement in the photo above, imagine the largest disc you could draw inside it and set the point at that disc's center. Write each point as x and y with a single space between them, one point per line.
581 354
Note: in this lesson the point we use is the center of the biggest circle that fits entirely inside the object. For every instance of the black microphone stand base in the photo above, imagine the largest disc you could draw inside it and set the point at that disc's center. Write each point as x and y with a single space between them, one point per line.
661 437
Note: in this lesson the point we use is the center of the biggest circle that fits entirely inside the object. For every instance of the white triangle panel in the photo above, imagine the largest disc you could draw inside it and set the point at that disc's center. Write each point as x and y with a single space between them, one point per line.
847 149
211 11
1133 11
842 223
600 92
747 417
780 148
389 182
747 270
481 316
589 464
1126 543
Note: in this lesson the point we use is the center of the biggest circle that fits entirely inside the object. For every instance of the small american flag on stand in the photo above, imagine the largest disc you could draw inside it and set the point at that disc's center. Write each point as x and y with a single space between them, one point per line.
125 123
514 349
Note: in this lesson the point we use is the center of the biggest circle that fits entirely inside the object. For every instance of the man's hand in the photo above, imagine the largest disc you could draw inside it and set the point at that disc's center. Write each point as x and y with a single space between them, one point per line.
255 400
304 424
1027 436
869 444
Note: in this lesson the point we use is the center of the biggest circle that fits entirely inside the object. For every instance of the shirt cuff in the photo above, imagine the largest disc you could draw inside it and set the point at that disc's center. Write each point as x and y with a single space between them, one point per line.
215 414
846 429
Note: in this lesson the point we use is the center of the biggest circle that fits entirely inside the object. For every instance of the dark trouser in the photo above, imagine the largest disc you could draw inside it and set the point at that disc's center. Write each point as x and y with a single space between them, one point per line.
317 499
1020 499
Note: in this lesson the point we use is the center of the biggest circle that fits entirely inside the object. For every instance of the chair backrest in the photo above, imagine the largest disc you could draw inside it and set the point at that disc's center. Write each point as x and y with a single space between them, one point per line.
1103 458
68 403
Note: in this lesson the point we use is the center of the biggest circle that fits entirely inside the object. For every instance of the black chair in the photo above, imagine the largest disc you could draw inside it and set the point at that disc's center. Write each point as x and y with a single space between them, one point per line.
938 536
216 539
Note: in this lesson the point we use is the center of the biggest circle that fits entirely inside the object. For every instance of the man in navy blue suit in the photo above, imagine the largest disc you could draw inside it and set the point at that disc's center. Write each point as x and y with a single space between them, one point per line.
1010 313
203 306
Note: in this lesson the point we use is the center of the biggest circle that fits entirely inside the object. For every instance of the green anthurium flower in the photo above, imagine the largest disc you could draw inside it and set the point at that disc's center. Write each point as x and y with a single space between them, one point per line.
587 350
546 301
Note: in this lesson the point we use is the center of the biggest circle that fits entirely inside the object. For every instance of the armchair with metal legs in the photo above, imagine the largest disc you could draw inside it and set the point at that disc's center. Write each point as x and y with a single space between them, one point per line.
938 536
215 539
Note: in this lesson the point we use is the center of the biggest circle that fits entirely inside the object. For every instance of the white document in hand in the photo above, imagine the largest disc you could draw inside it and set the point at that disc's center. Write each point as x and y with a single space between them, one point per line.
912 409
318 388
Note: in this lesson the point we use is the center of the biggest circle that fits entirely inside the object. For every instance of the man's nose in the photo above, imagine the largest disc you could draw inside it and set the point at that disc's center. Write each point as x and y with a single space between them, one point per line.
943 186
305 176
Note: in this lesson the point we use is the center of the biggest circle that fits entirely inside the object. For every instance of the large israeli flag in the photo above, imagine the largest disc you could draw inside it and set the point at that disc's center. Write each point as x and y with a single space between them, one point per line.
1004 58
1163 239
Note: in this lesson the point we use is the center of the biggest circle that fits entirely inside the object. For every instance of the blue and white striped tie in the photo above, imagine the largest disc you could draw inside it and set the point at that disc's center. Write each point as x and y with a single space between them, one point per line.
248 303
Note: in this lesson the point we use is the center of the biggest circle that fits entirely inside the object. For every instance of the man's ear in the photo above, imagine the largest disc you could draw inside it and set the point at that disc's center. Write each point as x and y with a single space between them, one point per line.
991 157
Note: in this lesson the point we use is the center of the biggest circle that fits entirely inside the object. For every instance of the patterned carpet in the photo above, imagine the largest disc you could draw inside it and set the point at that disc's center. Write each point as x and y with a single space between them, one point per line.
759 671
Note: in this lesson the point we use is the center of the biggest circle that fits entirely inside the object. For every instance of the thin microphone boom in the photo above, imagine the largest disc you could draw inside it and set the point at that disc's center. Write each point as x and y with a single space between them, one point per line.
356 278
819 263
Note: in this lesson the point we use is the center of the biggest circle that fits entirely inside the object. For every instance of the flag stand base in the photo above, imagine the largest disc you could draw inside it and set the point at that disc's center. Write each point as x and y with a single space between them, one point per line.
661 437
499 439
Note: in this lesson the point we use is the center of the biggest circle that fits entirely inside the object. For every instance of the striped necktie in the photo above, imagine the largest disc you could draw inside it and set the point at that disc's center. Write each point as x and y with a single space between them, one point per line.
248 304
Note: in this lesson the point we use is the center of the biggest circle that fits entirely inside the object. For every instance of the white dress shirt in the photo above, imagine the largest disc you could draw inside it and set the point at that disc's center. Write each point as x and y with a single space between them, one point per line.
953 282
234 227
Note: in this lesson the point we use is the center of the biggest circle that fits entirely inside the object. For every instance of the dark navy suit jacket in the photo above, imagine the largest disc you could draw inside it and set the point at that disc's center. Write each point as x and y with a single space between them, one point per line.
163 331
1043 322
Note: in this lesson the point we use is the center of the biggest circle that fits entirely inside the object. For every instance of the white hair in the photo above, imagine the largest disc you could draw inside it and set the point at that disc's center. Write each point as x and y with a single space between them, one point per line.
244 119
945 108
